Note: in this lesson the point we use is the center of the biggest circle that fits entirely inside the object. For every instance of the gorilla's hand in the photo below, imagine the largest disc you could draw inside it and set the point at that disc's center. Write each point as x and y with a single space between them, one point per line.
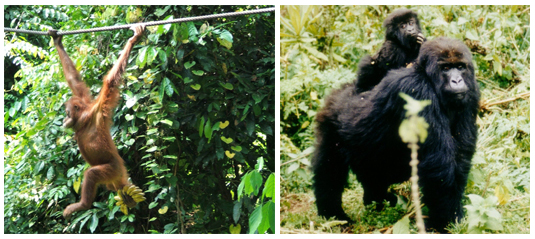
420 38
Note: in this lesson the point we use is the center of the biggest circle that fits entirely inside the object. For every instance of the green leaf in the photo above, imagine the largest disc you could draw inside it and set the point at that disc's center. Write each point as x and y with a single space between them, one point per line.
94 223
167 122
250 125
402 226
86 216
142 56
12 111
18 104
163 56
228 86
31 132
189 64
192 30
236 148
245 111
153 205
131 100
472 35
268 218
225 43
182 35
255 219
235 229
42 123
269 187
236 211
493 224
256 181
130 142
339 58
248 187
259 164
461 21
497 66
220 152
208 130
315 52
475 199
133 129
215 126
159 12
257 110
226 140
170 87
226 35
152 149
241 187
187 80
161 92
38 167
229 154
50 173
414 128
129 117
198 72
151 54
292 168
172 139
196 86
413 106
225 39
201 126
258 97
167 26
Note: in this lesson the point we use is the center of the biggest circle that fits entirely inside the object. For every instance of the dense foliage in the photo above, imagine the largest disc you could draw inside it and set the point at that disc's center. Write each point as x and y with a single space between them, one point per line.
320 50
195 125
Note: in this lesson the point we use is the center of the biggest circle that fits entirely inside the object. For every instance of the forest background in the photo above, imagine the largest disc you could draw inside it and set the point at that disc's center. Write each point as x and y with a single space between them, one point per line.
320 49
195 124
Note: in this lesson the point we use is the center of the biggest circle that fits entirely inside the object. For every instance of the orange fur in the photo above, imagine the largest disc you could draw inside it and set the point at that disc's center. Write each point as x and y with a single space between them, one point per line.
91 120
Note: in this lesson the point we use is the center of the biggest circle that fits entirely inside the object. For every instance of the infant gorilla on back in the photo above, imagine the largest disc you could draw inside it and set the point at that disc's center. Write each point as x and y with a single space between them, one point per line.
402 44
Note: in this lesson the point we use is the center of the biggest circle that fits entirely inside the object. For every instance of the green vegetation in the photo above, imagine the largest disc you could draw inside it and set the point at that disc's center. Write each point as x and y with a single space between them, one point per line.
320 49
195 125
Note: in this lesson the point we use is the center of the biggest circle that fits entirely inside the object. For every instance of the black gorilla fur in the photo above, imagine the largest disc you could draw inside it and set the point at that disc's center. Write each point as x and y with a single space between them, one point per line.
360 131
402 44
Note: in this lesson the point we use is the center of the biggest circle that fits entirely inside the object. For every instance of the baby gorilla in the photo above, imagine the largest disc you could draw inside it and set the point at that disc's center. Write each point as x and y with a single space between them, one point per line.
401 47
361 133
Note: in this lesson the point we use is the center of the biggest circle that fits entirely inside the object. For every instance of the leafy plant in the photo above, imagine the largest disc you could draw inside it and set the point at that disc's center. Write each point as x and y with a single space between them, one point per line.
197 113
262 217
482 214
499 39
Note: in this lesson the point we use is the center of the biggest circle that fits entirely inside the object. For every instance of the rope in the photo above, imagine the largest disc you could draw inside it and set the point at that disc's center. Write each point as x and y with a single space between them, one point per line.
7 29
187 19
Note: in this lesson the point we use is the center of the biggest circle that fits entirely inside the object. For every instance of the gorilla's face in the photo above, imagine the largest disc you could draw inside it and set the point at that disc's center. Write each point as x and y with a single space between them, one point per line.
452 76
448 64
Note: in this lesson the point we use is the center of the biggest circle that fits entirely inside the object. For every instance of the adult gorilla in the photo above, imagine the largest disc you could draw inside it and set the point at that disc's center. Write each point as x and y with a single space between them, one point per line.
402 44
361 131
